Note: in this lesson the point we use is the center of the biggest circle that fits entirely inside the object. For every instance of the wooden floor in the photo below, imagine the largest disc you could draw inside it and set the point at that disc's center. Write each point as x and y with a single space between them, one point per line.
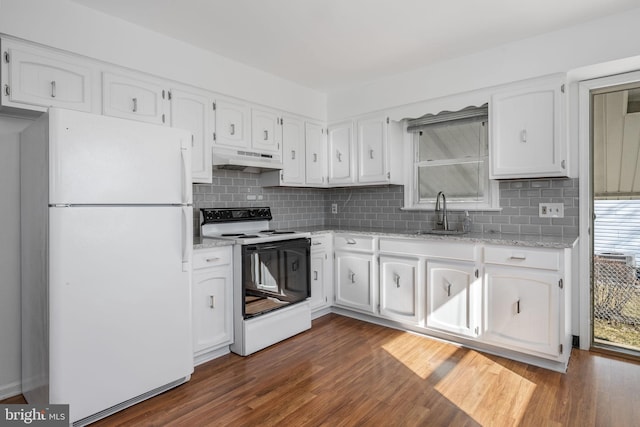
345 372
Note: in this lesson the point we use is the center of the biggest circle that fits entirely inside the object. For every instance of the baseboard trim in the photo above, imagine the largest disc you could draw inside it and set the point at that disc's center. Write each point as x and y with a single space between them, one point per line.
10 390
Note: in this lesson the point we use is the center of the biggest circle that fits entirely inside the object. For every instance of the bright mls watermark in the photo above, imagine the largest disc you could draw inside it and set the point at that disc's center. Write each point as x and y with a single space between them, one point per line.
34 415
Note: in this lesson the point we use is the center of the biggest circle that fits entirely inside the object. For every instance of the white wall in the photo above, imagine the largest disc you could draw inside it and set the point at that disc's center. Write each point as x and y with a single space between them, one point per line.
601 41
10 255
69 26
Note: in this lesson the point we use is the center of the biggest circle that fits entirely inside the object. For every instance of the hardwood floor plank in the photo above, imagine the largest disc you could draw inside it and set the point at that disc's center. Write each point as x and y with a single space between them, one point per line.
344 372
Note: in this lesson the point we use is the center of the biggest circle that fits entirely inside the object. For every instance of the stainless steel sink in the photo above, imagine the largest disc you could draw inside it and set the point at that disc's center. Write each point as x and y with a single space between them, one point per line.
441 232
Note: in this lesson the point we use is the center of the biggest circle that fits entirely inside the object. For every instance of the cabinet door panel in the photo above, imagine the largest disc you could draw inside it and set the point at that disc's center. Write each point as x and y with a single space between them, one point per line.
46 80
265 130
133 99
293 157
315 152
341 153
318 294
194 113
353 281
522 309
232 124
372 146
399 289
452 298
212 321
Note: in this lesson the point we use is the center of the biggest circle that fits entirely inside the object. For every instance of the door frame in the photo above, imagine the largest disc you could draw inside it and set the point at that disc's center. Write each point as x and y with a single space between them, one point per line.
585 193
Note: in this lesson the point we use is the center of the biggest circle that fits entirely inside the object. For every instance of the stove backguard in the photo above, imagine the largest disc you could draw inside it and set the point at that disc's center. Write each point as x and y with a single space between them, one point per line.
275 275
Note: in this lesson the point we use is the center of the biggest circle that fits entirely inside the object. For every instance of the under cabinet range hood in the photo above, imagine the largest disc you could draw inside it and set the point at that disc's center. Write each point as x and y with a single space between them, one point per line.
245 161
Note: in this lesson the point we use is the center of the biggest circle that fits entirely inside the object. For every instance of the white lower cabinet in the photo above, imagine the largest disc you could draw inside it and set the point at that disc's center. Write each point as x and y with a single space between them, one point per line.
454 298
321 272
354 281
400 290
522 309
212 302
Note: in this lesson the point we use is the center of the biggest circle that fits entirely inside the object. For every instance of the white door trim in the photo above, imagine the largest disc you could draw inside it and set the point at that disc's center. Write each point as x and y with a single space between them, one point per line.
586 212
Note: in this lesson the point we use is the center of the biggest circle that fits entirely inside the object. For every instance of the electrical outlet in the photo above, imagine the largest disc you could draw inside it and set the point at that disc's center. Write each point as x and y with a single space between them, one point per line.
334 208
551 210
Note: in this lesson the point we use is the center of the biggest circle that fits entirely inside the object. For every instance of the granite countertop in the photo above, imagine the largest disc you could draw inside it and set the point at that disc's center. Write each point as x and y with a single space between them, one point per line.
526 240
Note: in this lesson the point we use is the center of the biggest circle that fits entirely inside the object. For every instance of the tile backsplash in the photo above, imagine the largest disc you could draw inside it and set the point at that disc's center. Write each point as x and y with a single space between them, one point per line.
380 206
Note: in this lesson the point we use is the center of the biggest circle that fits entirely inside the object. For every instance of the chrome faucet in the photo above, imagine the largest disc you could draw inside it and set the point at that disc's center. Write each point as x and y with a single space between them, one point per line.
441 213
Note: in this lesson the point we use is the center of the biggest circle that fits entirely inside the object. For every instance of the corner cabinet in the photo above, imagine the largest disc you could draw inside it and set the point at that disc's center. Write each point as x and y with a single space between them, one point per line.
195 112
527 130
35 78
212 303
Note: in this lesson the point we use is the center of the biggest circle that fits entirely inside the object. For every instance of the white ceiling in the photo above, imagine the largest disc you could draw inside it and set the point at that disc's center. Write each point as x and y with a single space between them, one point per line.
332 44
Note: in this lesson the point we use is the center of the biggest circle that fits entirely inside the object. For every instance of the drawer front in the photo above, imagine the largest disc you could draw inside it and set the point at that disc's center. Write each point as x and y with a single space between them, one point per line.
429 248
548 259
204 258
354 242
320 242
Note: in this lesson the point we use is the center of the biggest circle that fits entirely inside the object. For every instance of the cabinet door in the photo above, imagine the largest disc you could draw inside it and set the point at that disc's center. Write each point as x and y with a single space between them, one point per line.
372 150
522 309
233 127
134 99
266 131
33 77
319 297
293 151
399 289
453 297
195 113
212 309
526 124
354 278
341 154
316 154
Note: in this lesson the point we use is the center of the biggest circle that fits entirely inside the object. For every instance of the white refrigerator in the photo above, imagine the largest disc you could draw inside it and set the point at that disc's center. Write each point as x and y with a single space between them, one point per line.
107 230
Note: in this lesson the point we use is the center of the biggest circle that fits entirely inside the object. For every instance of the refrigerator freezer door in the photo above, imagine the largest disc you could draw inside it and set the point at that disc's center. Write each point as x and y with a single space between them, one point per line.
105 160
119 304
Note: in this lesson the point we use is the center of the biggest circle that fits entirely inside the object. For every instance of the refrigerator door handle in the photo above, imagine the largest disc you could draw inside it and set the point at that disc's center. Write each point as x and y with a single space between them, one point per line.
186 178
187 238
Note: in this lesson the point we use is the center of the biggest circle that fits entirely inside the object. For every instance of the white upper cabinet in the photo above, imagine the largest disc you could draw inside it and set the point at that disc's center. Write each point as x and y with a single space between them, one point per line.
233 123
293 146
342 165
316 155
266 130
527 136
34 78
372 149
195 112
140 98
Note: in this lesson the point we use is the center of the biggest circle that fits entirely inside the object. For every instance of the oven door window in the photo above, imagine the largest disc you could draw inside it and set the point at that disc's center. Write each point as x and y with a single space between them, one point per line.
275 275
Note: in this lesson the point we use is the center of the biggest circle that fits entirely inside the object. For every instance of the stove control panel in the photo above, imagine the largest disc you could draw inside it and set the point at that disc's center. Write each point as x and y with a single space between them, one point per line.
211 215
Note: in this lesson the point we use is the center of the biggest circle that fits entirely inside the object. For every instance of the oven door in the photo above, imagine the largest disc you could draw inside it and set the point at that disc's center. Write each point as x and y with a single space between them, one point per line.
274 275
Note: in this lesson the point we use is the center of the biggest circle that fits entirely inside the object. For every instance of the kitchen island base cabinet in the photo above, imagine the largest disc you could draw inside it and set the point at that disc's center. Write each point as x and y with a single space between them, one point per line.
453 297
522 310
400 291
212 294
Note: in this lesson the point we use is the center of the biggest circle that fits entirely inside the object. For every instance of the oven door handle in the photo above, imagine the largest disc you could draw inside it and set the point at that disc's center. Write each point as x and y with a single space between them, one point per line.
251 248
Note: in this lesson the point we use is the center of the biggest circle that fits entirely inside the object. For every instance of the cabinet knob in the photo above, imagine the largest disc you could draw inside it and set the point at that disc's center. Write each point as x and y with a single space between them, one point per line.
523 135
339 155
315 275
353 277
315 157
135 105
53 88
448 289
293 154
396 280
212 259
266 135
232 129
518 307
371 153
212 301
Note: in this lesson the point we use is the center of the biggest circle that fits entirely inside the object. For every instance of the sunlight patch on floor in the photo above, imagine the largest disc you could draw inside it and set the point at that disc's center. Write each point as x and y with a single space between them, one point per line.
488 392
420 359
